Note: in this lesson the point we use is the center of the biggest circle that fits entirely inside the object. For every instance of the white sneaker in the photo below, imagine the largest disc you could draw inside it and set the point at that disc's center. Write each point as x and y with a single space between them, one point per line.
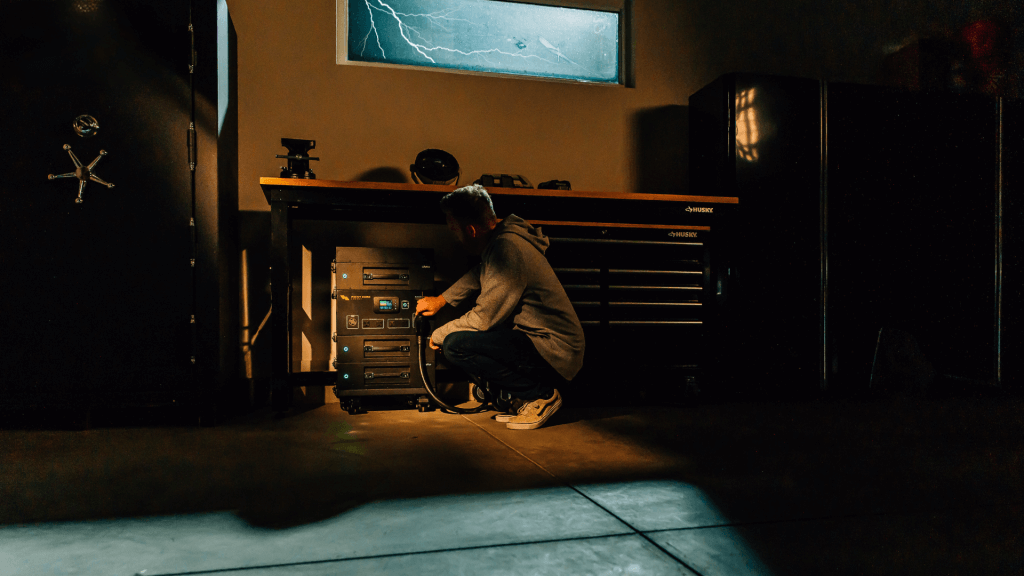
534 414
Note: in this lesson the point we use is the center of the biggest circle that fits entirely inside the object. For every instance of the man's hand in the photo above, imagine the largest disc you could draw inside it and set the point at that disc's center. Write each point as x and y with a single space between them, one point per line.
429 305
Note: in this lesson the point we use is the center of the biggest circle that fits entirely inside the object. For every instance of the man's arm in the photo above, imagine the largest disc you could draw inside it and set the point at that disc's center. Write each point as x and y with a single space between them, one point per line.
469 283
464 287
430 305
502 283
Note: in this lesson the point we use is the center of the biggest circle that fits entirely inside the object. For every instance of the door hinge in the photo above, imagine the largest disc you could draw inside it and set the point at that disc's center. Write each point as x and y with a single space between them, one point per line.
192 65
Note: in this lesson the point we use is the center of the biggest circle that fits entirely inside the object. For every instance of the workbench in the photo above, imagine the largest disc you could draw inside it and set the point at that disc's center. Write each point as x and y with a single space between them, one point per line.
621 218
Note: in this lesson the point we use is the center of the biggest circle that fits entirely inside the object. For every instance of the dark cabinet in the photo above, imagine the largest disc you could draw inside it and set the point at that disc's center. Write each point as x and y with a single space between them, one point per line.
862 208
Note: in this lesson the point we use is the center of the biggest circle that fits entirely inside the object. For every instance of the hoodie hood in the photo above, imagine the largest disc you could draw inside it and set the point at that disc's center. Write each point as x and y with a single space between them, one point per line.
515 225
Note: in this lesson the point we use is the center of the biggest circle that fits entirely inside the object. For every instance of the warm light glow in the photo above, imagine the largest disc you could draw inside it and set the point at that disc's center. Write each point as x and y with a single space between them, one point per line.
307 354
307 282
246 349
746 126
307 306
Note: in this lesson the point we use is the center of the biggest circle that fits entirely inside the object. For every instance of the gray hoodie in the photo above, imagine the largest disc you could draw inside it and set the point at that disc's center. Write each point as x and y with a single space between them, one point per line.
517 285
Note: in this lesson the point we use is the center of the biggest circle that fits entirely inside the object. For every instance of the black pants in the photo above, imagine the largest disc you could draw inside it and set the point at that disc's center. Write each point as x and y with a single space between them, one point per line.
505 358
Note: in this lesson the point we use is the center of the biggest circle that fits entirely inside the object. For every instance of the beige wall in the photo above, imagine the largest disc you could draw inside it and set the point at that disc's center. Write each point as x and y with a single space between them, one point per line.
367 118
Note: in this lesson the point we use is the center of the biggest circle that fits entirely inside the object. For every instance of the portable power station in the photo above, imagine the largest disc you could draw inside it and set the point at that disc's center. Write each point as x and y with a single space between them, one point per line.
376 290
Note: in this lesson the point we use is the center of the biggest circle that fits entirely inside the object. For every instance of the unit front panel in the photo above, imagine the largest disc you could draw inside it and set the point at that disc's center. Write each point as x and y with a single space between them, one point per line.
364 312
376 348
380 375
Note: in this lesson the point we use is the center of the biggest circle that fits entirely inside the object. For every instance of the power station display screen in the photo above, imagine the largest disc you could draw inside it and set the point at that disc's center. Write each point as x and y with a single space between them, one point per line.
385 305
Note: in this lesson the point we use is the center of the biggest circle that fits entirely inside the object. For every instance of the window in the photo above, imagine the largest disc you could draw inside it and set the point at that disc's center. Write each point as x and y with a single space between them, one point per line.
483 36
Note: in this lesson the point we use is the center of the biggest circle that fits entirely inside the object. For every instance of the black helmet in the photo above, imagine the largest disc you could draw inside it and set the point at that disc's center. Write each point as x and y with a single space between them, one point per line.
435 167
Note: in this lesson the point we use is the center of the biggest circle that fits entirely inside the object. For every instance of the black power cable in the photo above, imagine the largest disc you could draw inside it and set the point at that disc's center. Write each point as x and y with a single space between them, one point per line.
422 326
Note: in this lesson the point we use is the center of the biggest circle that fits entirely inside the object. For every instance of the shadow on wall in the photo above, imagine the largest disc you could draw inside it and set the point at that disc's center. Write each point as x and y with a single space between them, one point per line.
387 174
663 149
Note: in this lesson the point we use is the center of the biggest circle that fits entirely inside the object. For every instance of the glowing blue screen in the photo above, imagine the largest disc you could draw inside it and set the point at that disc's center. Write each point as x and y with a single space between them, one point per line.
486 36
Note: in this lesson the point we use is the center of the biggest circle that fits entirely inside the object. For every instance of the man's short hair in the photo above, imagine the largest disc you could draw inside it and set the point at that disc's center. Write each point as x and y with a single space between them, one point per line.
469 205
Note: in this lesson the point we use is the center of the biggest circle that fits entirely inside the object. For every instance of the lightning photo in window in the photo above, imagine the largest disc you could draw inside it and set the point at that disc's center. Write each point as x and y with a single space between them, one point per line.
485 36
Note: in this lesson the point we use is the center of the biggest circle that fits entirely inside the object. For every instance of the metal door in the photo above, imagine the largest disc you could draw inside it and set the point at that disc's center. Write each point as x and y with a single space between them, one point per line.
97 295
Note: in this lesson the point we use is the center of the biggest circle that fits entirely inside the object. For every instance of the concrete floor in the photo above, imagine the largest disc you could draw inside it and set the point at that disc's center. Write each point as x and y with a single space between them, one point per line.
820 487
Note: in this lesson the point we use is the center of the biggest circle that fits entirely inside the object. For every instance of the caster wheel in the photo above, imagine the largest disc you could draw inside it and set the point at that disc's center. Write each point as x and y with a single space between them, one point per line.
423 404
479 394
502 402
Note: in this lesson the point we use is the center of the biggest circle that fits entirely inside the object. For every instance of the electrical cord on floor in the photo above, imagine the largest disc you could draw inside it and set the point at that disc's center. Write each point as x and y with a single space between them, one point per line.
422 326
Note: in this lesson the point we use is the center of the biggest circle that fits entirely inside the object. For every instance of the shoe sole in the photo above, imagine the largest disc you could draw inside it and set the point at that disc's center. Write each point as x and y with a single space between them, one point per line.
533 425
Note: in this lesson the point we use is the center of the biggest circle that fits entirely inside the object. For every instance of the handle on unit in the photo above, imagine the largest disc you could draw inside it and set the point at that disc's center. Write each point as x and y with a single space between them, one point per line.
385 348
372 375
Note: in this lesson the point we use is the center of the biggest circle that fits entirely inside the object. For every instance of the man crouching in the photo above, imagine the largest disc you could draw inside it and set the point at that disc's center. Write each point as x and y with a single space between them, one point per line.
522 335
